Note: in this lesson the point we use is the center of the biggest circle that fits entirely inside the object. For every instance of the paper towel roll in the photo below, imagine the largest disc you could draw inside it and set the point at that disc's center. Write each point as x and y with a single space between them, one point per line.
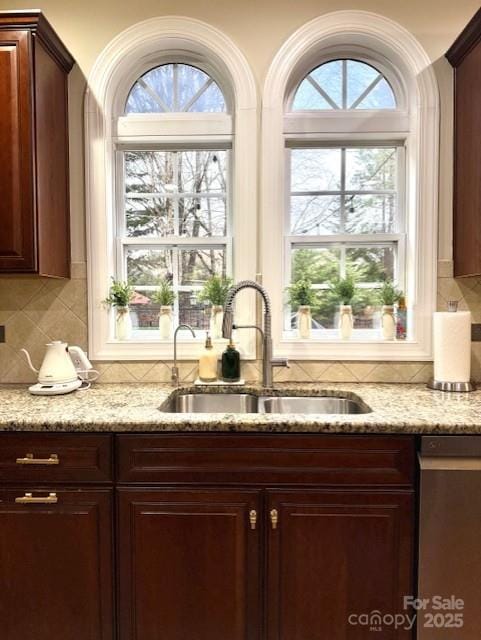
452 346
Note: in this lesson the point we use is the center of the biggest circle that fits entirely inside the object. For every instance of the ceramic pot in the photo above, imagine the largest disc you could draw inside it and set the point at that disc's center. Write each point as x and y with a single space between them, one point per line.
304 322
388 322
346 321
216 318
165 322
123 323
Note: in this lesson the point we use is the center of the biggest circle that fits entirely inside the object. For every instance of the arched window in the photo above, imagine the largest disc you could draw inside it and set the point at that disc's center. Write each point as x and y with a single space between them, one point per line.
175 214
165 187
344 84
348 115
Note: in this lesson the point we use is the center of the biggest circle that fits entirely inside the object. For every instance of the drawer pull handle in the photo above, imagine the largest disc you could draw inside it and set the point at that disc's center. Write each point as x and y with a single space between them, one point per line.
253 518
29 459
28 498
274 518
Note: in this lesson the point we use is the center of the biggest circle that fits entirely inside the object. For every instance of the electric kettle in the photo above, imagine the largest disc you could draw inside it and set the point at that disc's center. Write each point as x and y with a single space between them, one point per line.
60 370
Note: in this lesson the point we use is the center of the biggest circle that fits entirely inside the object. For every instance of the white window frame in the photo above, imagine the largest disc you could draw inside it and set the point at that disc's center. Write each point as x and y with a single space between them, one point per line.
128 56
396 53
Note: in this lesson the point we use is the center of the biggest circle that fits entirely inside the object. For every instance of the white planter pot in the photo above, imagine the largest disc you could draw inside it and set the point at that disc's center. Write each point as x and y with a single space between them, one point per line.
165 323
304 322
346 321
216 318
388 322
123 323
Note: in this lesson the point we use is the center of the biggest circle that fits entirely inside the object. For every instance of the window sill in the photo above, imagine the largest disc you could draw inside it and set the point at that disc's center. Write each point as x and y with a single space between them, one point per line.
356 348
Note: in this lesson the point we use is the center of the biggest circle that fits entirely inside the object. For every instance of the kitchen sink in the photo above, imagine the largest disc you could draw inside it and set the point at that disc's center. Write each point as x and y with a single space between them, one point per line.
250 403
215 403
306 405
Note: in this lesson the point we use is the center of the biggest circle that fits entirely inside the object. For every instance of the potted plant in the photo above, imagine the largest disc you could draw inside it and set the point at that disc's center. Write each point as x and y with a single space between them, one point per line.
343 291
164 296
302 297
388 297
214 292
120 294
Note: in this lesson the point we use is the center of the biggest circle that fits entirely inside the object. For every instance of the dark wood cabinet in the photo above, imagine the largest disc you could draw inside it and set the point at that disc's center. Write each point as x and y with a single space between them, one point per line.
217 536
189 564
465 56
56 564
34 203
336 554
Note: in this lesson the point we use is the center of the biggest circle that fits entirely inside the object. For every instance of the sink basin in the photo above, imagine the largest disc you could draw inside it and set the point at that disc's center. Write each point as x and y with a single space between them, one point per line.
250 403
307 405
215 403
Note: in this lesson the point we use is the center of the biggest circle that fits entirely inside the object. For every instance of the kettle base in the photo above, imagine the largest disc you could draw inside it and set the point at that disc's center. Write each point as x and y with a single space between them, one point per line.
54 389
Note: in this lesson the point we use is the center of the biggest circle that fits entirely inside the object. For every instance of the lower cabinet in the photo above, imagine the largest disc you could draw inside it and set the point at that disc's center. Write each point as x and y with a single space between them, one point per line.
217 536
333 556
298 565
56 570
189 564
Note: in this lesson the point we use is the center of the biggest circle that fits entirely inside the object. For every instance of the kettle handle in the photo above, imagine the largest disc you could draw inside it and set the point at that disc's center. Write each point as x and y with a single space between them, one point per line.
29 360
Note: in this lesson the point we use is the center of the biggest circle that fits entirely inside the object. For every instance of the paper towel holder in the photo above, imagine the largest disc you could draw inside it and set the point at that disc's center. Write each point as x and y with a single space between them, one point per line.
456 387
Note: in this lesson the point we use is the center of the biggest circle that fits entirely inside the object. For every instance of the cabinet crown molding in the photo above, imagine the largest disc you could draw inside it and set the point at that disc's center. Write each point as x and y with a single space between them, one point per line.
467 39
35 21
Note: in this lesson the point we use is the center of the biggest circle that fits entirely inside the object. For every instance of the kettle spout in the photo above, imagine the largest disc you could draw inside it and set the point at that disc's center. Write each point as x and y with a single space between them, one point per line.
29 360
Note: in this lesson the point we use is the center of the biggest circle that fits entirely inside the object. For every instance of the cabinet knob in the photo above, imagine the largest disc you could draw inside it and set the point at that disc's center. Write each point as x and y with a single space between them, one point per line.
29 459
28 498
274 518
253 518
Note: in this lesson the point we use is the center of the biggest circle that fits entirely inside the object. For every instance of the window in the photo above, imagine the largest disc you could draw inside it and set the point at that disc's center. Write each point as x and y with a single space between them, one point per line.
345 212
169 194
347 110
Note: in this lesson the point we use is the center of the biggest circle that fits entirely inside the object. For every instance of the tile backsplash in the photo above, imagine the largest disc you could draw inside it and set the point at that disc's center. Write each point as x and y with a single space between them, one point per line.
37 310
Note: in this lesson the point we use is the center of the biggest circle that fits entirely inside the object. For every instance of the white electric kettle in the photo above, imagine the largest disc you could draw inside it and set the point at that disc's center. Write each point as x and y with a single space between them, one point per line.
60 369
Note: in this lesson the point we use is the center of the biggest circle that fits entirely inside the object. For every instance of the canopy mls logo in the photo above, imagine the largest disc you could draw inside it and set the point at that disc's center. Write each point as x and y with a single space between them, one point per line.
377 621
436 612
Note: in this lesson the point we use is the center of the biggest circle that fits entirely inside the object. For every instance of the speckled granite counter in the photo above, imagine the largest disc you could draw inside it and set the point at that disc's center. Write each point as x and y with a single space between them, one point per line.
396 408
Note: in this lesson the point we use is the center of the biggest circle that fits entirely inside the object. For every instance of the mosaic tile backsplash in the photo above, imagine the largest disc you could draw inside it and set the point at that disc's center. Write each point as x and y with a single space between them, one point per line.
37 310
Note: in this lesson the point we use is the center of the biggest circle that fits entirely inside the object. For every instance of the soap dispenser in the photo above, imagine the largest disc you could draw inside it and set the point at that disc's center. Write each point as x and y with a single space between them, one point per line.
208 362
230 366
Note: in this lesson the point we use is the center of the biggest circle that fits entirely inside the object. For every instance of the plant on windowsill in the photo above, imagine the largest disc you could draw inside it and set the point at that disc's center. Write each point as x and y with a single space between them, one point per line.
120 294
388 297
164 296
214 292
343 291
302 297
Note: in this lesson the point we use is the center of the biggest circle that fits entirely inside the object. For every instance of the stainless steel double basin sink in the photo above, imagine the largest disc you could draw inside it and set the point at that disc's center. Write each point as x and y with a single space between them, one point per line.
188 402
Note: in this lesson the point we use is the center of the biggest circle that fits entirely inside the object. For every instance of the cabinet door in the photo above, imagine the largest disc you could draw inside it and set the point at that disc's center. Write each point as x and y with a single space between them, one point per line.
336 556
189 564
56 566
17 244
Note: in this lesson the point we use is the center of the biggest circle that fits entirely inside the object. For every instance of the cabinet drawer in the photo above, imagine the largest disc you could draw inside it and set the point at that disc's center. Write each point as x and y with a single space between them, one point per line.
51 458
267 459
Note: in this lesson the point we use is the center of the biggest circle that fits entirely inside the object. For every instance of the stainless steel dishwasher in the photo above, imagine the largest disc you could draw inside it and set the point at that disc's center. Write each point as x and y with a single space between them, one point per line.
450 538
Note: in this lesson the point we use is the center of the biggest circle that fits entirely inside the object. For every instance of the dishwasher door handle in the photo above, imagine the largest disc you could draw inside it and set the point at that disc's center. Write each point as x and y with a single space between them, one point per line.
449 463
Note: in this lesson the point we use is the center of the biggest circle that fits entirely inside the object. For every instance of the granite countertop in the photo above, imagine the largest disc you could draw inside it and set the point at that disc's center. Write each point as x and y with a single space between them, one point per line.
395 408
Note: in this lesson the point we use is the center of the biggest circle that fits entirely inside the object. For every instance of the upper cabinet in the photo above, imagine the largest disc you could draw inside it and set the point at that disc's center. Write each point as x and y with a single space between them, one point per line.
465 57
34 202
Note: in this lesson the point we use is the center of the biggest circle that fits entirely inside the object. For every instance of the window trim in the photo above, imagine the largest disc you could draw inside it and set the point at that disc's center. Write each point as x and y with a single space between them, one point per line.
377 37
132 52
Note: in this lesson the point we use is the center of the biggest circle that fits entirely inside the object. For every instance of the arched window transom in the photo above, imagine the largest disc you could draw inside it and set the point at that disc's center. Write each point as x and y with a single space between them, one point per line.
344 85
175 88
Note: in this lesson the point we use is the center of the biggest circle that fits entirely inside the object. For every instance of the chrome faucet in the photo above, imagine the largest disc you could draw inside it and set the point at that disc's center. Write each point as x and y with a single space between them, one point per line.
268 362
175 368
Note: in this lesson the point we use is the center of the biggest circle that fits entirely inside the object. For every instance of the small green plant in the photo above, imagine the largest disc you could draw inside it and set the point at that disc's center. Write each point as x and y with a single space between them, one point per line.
343 290
164 295
120 293
301 294
215 291
388 294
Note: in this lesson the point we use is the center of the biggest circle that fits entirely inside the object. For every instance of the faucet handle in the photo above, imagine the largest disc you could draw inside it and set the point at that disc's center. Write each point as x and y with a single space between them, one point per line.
280 362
